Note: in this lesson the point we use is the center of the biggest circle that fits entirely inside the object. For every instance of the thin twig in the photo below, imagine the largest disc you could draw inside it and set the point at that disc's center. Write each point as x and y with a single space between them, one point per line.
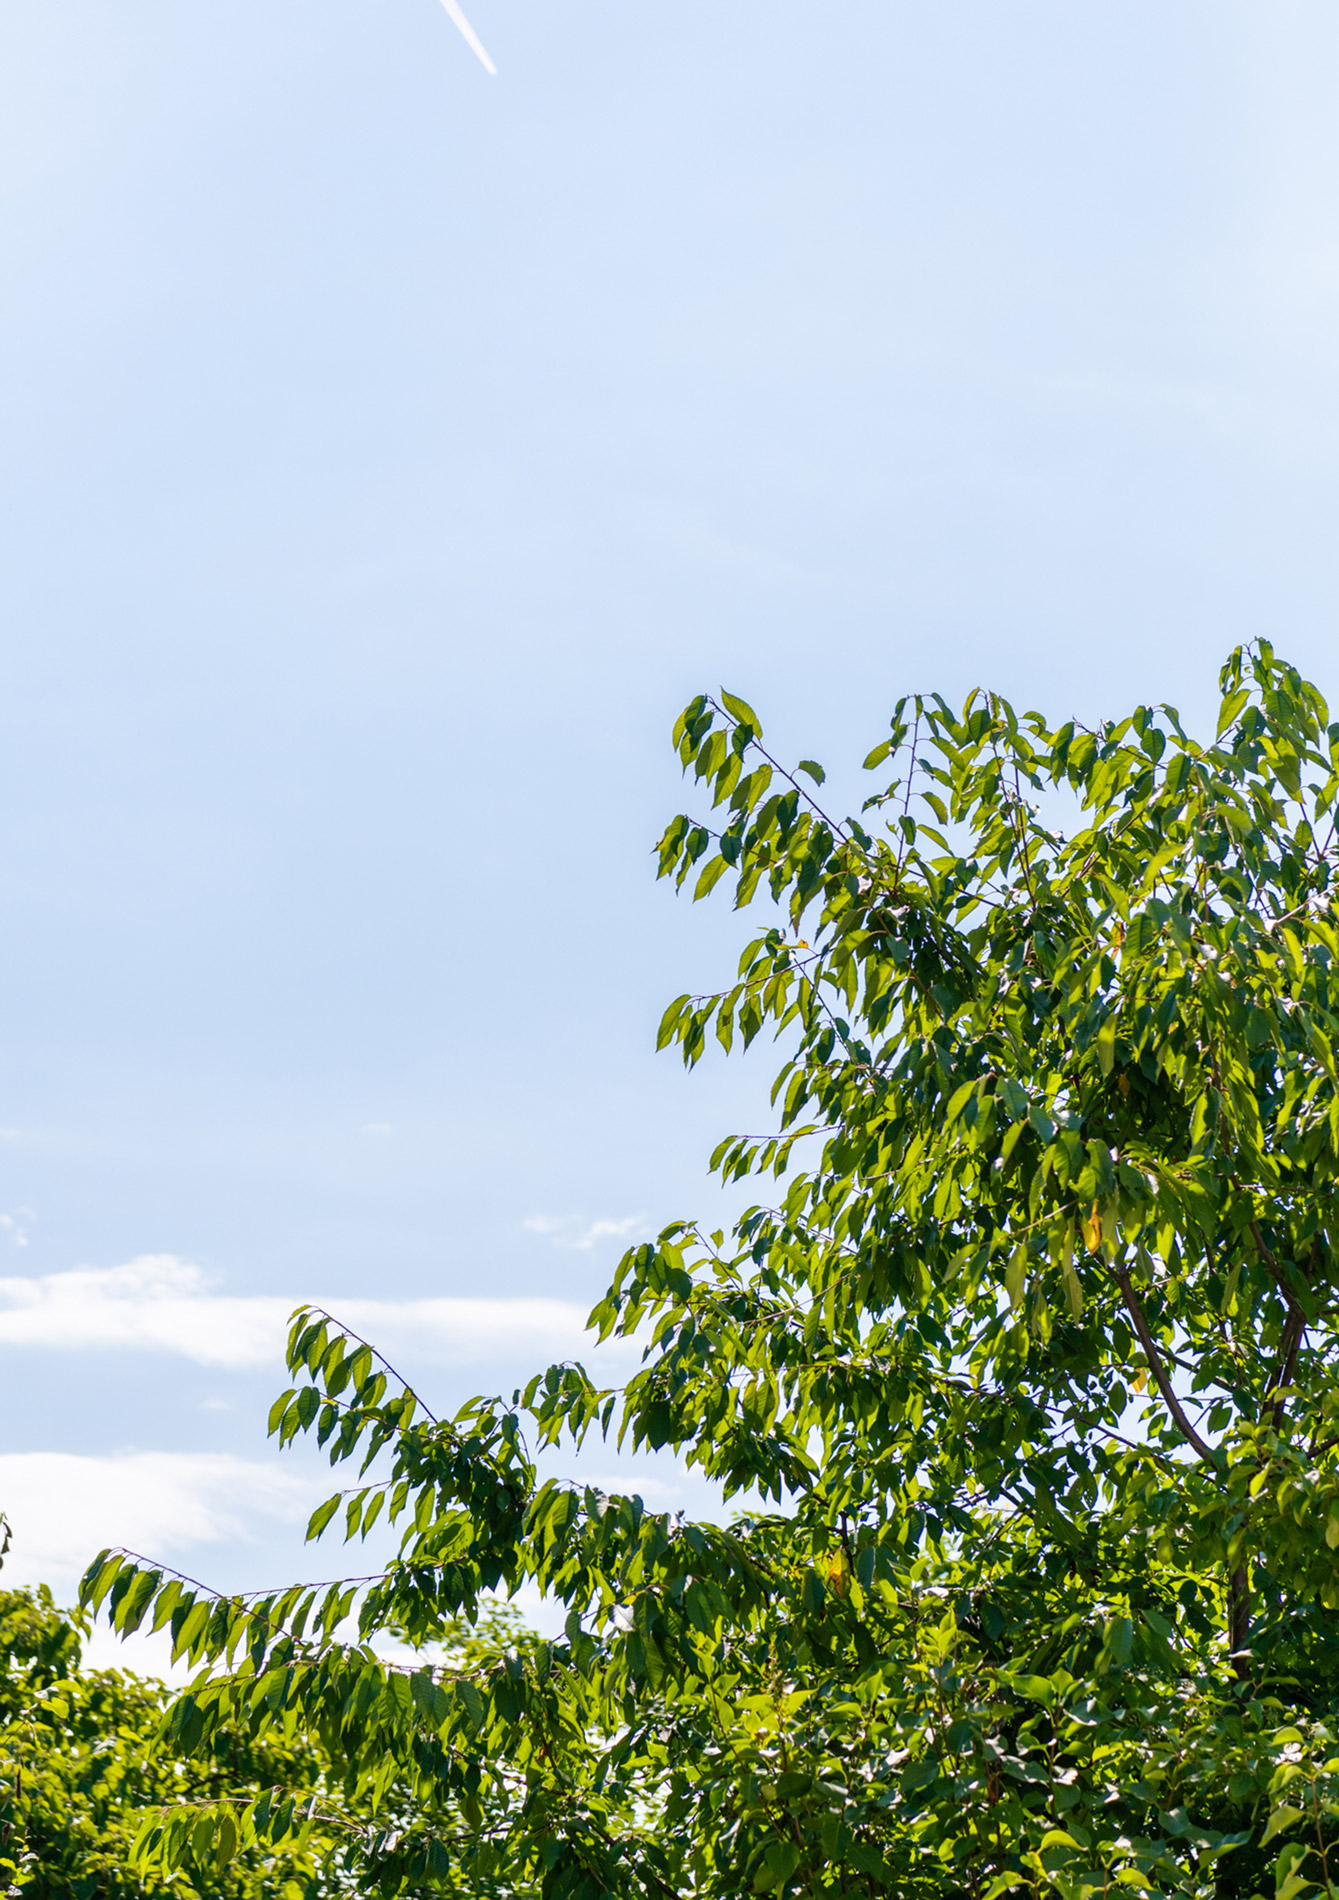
1275 1272
381 1358
804 792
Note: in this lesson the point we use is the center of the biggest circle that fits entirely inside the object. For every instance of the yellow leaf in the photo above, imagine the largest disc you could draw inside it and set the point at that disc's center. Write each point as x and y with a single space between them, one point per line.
1092 1228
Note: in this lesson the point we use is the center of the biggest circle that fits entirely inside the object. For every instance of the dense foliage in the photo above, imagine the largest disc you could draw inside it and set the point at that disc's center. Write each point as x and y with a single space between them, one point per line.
84 1760
81 1762
1024 1378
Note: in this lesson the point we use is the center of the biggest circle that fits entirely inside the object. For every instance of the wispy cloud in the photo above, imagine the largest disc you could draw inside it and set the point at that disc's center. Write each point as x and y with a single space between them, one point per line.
64 1508
560 1229
200 1511
156 1301
547 1223
606 1230
161 1303
16 1225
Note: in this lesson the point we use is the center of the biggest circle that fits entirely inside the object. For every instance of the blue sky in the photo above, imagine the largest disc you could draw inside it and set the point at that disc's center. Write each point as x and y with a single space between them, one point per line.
391 450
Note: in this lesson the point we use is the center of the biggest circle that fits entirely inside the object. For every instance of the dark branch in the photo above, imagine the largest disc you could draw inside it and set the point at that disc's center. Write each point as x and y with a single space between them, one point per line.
1156 1367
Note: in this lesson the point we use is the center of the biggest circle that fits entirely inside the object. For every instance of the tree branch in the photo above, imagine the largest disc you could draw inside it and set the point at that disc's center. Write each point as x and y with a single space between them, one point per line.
1239 1622
1156 1367
1290 1298
1281 1377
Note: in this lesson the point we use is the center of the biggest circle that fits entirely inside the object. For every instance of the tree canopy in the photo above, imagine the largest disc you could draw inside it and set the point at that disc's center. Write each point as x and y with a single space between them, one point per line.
85 1759
1018 1374
82 1761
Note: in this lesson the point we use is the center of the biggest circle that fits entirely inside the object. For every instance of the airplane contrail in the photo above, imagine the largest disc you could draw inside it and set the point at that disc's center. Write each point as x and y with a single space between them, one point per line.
471 37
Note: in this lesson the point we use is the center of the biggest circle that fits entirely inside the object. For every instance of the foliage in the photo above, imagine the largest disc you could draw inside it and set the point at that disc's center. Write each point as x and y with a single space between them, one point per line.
81 1761
1024 1379
84 1759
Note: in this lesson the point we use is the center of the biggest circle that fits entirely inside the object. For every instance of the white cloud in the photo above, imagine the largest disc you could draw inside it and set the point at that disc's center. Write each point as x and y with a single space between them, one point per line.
459 1332
156 1301
160 1303
559 1228
657 1492
606 1230
64 1508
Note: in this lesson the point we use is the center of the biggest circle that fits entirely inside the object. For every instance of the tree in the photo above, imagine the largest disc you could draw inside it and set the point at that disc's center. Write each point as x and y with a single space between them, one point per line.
81 1762
1024 1380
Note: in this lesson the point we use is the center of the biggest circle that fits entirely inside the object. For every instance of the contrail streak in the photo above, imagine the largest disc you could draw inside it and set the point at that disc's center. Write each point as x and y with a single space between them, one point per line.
471 37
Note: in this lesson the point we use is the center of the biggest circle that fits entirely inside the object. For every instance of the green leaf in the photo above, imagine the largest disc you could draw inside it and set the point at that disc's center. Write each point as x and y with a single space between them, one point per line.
1231 708
1120 1639
321 1516
669 1022
225 1839
1280 1820
814 770
1035 1688
1015 1276
1106 1046
741 710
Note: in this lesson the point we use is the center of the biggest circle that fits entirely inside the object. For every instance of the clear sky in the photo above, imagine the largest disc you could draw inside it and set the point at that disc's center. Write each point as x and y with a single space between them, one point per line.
390 450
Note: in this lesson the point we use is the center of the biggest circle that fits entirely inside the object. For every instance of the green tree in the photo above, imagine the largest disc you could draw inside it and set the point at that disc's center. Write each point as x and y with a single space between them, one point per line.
1024 1375
83 1759
80 1761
